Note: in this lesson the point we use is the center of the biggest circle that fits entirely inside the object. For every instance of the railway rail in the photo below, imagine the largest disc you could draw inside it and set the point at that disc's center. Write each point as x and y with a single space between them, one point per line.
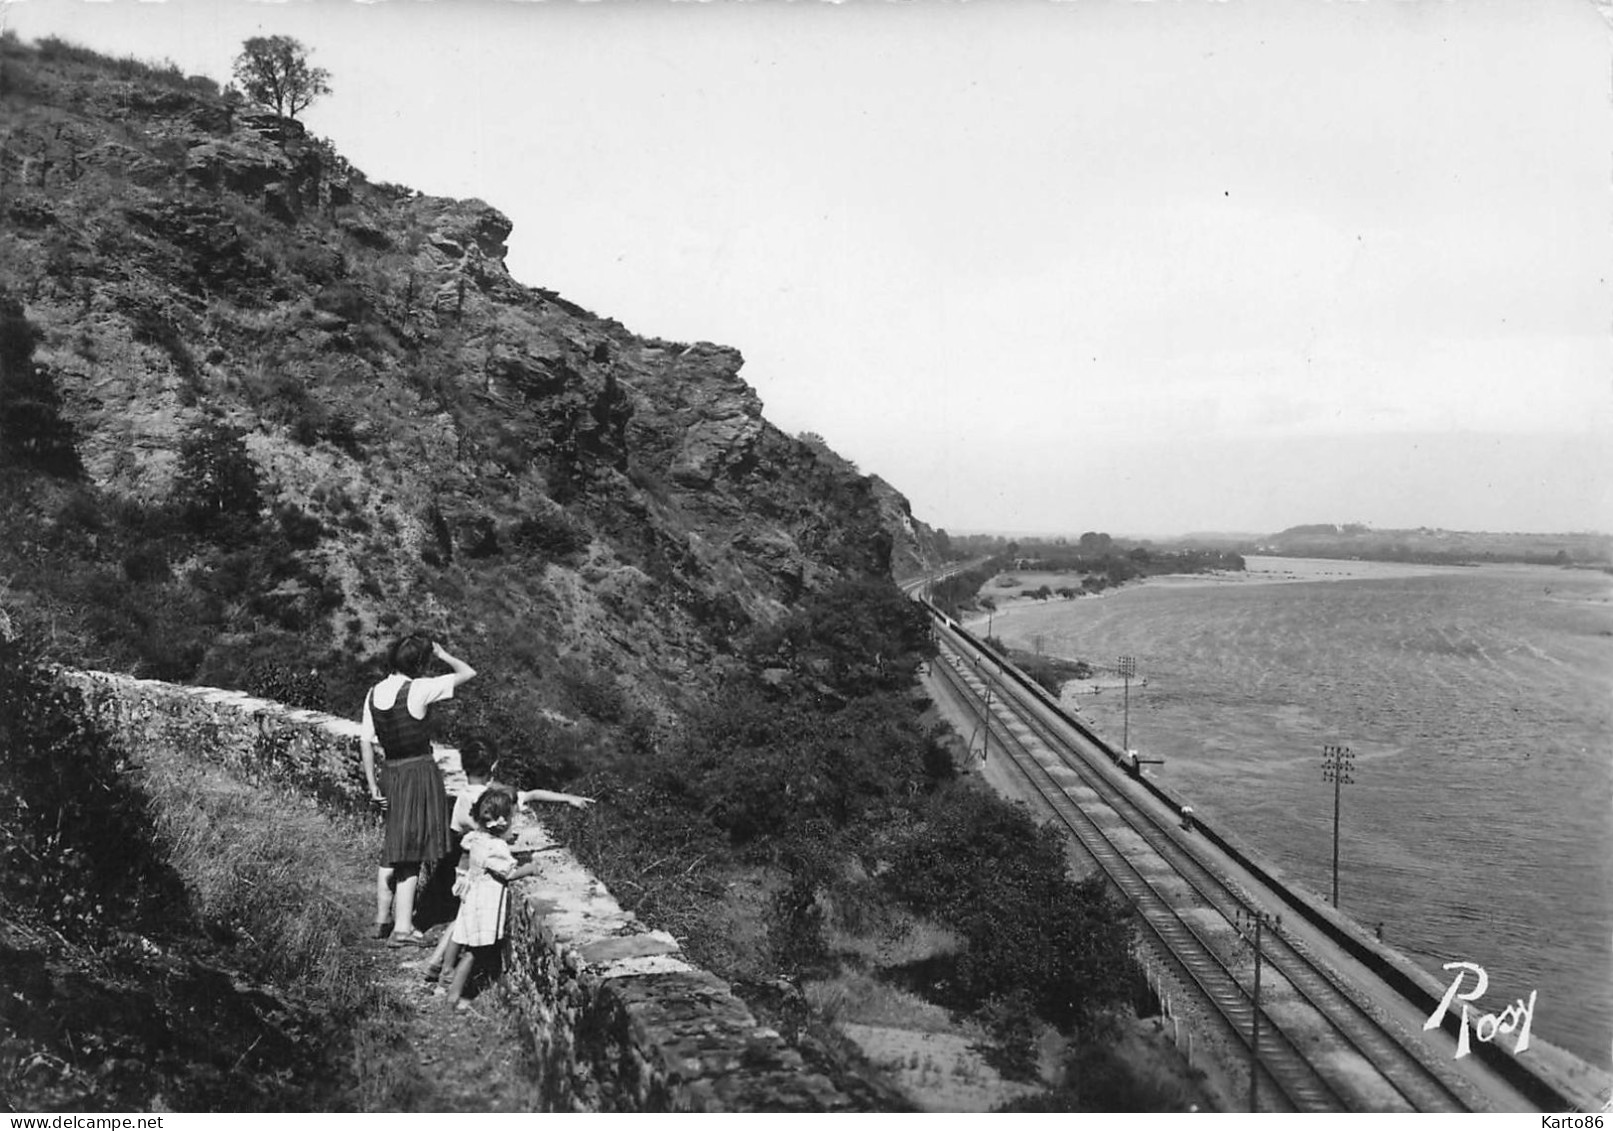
1325 1049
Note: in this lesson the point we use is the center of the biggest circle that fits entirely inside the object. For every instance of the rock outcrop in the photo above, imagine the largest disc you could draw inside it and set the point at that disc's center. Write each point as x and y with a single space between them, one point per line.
436 442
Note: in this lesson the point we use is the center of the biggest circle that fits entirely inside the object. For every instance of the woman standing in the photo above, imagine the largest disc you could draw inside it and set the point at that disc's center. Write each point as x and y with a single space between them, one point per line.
409 787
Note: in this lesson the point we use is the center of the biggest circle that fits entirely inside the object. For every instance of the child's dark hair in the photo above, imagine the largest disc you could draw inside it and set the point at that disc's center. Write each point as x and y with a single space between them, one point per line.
476 758
411 655
493 806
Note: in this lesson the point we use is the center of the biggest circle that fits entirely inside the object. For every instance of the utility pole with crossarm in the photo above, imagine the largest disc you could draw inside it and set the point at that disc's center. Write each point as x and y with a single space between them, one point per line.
1337 762
1250 924
1128 668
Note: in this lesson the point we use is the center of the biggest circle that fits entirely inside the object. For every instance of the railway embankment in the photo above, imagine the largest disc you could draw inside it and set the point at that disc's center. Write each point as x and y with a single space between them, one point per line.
1553 1080
1542 1075
615 1018
1547 1077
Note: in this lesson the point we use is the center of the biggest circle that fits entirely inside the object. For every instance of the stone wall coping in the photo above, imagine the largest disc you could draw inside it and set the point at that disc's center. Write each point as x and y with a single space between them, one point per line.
337 724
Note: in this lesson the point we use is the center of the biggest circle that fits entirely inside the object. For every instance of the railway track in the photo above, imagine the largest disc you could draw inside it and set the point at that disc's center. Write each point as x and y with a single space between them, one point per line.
1320 1046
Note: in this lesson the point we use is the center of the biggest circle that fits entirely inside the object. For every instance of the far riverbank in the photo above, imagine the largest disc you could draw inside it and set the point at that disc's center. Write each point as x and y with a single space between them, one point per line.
1011 591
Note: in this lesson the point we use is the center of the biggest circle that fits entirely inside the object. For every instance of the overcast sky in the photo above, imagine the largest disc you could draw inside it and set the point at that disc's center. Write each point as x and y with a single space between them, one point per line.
1139 267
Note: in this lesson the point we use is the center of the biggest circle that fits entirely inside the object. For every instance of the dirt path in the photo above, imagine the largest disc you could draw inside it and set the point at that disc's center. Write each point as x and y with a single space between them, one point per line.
415 1052
433 1057
302 882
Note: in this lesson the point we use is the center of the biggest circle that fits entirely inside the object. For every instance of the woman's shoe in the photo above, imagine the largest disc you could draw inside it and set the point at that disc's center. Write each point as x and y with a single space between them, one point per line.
411 938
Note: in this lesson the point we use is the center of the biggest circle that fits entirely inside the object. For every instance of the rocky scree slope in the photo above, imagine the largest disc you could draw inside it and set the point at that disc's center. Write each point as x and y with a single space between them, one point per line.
591 517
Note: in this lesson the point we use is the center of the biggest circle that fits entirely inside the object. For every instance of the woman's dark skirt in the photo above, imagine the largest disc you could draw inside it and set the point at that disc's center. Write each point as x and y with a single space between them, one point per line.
417 812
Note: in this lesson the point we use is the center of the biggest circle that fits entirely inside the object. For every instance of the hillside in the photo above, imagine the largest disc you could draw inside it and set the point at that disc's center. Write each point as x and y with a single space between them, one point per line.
260 414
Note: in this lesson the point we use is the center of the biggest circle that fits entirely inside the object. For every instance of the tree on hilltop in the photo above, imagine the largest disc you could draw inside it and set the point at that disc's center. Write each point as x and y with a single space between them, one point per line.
273 71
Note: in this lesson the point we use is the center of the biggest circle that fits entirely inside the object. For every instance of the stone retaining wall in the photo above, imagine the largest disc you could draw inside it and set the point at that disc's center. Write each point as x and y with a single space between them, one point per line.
619 1022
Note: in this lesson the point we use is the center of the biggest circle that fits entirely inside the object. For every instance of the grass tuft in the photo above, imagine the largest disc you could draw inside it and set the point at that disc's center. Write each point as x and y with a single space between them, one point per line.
258 865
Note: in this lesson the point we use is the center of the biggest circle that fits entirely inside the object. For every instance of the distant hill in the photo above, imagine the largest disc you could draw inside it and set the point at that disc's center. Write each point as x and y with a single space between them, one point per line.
1321 540
1426 544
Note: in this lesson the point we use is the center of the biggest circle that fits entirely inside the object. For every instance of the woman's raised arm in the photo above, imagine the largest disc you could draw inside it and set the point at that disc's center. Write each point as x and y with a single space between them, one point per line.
462 671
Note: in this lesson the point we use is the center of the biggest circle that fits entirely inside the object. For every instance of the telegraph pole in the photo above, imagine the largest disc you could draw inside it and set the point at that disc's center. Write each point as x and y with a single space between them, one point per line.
985 716
1249 924
985 711
1337 762
1128 668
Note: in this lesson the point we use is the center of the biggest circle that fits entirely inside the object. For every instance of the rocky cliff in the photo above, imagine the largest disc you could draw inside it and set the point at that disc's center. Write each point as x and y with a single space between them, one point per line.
310 410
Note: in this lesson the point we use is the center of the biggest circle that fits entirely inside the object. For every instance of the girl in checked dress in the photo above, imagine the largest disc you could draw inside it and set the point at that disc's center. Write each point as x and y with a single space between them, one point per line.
483 907
479 762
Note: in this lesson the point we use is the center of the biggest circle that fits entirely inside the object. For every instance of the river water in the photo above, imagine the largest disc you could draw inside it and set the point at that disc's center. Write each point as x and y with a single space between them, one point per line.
1478 705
